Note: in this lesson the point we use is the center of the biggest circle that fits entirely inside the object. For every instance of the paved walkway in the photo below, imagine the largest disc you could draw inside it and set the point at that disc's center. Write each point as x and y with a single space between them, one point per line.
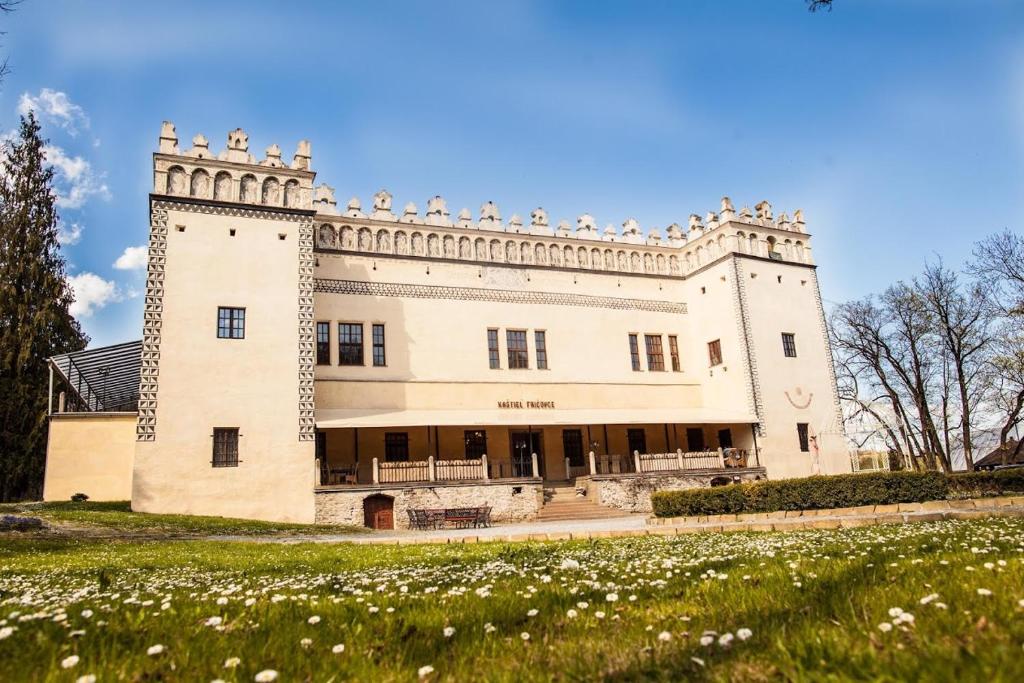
633 525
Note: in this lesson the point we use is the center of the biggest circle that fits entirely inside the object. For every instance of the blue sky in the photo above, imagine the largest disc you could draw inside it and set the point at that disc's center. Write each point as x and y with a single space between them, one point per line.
897 125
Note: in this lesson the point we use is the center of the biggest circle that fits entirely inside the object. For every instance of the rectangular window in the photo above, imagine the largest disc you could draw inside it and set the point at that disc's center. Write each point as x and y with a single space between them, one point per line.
396 446
476 443
673 350
225 447
725 438
572 446
350 342
378 346
789 344
323 343
655 354
230 323
637 441
634 352
802 435
518 358
715 352
694 439
542 349
492 349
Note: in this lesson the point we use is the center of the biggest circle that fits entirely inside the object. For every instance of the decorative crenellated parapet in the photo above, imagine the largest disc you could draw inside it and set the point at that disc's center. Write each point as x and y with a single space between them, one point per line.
323 200
233 175
437 212
631 233
610 234
539 222
490 217
727 212
654 237
465 220
168 139
563 229
711 220
675 235
354 209
410 214
515 225
764 211
302 156
798 221
586 228
382 206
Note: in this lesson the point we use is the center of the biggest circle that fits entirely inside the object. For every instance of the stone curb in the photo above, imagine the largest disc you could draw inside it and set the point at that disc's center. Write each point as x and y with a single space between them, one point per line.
833 521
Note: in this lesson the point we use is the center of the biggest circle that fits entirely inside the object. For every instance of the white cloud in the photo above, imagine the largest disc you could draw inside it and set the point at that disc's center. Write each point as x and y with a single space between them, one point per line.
76 181
133 258
91 294
55 107
69 234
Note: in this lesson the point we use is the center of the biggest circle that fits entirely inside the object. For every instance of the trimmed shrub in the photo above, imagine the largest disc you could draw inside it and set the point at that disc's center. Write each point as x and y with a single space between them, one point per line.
810 493
981 484
79 498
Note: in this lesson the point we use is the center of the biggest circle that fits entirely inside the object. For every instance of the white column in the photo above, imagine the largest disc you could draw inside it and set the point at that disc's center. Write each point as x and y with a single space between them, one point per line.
483 467
316 474
376 472
680 459
49 405
567 468
536 468
431 473
636 461
721 458
593 463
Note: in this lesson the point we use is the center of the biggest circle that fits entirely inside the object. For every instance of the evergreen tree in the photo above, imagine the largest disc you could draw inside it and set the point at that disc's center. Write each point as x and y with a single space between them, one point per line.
34 319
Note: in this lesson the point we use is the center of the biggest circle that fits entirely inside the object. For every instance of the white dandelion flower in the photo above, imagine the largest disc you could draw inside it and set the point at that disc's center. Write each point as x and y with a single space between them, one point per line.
885 627
6 632
214 621
706 640
599 615
306 642
87 678
425 671
984 592
744 633
524 635
232 662
155 650
532 613
572 614
265 676
611 597
338 649
664 636
725 640
313 620
448 631
69 662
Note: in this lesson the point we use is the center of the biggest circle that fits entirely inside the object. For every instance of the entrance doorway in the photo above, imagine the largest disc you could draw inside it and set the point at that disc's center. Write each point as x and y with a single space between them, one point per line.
524 444
379 512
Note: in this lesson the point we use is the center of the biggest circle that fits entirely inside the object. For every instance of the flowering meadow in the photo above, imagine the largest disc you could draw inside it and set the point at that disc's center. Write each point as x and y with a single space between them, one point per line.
929 601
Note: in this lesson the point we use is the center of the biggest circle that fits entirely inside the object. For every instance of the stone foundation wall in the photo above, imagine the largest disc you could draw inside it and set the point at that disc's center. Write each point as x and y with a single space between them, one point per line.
632 492
345 506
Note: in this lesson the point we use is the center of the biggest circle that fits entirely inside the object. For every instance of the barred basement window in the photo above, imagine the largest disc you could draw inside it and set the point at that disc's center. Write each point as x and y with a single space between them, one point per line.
803 436
715 352
350 343
634 352
230 323
492 349
378 346
225 447
655 353
476 443
323 343
518 357
542 349
673 350
789 344
396 446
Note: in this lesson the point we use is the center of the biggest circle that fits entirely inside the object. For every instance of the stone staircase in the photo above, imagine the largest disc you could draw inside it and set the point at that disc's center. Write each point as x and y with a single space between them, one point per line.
562 504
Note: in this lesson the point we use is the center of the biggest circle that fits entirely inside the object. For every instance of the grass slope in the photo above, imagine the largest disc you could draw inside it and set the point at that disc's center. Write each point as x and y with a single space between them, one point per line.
820 605
118 517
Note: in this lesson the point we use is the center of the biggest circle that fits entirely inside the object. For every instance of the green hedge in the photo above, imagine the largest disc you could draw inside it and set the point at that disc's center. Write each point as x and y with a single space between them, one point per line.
844 490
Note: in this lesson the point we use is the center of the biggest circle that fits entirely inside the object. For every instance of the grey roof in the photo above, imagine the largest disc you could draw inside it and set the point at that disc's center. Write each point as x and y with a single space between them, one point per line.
105 378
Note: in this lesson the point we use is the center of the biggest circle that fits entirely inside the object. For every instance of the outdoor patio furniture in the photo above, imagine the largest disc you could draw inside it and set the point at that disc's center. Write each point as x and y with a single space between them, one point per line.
460 518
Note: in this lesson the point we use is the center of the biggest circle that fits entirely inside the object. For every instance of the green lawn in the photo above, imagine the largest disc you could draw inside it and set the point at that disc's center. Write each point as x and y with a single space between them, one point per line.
118 517
741 606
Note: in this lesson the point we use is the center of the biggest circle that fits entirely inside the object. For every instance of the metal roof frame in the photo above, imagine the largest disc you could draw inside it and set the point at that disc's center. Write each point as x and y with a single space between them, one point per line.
106 378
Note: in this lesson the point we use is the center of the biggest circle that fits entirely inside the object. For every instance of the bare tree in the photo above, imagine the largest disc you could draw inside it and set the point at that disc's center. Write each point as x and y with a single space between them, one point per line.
962 325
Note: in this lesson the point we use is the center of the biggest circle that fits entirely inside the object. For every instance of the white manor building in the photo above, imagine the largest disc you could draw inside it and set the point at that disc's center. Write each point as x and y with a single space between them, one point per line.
306 362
